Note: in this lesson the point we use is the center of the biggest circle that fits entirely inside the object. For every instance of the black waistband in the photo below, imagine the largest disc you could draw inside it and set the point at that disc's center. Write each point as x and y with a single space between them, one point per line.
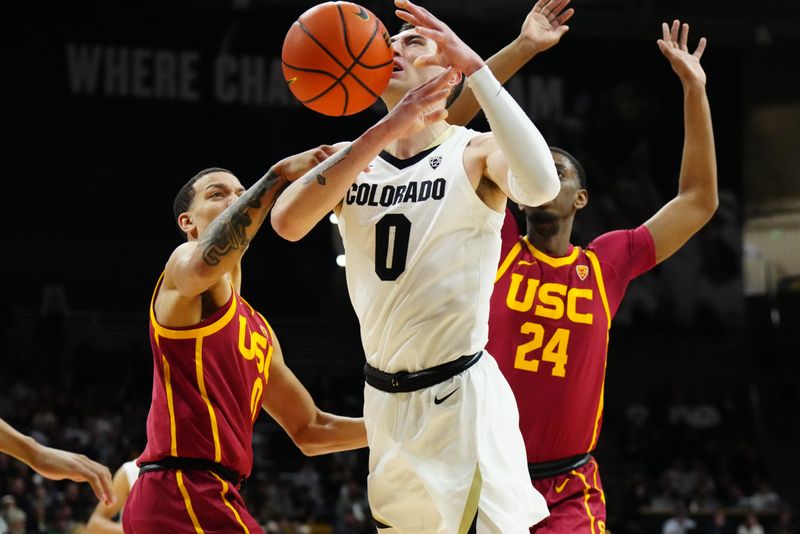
196 464
557 467
403 381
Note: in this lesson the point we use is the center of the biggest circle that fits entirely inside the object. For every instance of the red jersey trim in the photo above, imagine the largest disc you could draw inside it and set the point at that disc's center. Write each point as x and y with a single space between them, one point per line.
194 332
549 260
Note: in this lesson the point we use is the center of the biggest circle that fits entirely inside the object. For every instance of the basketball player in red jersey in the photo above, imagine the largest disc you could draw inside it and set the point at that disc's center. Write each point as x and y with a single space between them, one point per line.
553 304
216 363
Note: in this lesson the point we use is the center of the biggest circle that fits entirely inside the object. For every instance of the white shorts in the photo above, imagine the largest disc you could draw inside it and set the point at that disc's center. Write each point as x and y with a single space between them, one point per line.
438 455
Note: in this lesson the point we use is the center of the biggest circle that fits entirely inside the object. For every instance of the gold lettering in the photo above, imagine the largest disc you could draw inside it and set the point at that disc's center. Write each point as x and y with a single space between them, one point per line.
520 362
572 305
551 296
257 344
513 291
255 397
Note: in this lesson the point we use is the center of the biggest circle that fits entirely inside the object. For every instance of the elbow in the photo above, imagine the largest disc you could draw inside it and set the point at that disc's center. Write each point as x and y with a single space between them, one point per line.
307 445
285 226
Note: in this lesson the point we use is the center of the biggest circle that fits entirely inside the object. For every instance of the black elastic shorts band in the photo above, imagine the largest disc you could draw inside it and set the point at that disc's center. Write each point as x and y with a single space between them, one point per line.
196 464
557 467
404 382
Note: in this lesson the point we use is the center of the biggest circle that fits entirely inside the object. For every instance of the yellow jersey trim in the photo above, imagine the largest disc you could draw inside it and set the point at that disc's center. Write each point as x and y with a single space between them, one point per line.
596 485
471 506
198 366
190 333
228 504
586 495
187 501
549 260
602 288
173 435
513 253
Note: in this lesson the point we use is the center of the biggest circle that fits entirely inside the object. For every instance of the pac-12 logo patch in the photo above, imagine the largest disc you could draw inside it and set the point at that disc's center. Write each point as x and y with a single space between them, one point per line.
582 270
435 161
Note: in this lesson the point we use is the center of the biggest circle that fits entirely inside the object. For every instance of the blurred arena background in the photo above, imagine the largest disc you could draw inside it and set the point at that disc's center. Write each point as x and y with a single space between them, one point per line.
111 106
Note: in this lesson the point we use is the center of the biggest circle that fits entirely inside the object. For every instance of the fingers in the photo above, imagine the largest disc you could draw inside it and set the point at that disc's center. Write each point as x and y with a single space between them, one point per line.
418 13
435 116
676 36
564 17
101 485
673 32
701 46
665 32
684 36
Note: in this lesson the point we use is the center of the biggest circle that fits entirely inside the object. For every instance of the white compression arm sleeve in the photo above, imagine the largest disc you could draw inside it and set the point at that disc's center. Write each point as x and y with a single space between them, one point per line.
532 177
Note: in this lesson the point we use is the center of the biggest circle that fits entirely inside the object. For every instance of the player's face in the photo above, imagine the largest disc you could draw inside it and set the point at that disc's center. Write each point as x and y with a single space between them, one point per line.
408 45
213 193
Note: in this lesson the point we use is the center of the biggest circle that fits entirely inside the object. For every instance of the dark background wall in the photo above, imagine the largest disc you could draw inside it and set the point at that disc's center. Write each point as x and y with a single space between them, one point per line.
111 107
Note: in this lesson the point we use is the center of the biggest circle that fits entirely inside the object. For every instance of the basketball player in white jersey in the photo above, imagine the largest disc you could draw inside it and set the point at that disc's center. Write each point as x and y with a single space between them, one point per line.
102 519
421 229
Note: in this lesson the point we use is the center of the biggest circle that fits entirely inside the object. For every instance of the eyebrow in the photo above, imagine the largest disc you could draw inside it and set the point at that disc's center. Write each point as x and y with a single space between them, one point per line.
221 186
405 35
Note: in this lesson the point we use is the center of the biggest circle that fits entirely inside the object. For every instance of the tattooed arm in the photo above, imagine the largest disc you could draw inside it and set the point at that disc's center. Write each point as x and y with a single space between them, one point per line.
208 265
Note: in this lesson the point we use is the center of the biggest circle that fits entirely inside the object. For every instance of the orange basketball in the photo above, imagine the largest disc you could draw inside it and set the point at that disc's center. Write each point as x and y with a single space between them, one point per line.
337 58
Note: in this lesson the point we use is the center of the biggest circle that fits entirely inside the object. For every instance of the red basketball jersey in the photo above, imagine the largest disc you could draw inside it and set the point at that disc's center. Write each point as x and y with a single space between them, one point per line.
208 381
548 331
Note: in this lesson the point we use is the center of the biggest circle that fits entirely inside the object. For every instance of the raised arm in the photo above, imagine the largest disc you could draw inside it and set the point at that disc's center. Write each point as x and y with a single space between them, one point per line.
56 464
697 199
315 432
523 165
309 199
542 29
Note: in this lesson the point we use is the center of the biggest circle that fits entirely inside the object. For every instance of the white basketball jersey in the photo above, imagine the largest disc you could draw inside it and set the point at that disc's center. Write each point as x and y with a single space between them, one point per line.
422 252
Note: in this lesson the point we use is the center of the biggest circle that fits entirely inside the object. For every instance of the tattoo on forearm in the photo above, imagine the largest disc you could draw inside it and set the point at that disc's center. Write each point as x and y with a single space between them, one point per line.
228 232
326 165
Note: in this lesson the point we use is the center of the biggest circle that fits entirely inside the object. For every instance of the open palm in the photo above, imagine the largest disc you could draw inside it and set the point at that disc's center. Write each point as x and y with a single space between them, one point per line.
545 24
673 45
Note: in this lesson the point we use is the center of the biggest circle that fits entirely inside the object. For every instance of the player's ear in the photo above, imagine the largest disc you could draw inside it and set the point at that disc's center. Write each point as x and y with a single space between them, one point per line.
185 222
581 199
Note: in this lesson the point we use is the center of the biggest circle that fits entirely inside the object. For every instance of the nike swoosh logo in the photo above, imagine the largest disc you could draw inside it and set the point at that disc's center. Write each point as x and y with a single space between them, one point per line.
437 400
560 487
362 14
523 262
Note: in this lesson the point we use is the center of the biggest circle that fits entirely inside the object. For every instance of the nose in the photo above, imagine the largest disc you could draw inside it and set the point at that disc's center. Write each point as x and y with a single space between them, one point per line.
396 47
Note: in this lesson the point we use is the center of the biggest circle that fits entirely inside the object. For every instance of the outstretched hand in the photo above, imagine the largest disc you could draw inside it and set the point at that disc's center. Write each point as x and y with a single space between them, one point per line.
451 50
421 106
56 464
673 45
545 24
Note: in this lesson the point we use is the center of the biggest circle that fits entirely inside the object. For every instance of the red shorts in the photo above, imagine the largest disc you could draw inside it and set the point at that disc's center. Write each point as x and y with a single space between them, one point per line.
185 501
576 502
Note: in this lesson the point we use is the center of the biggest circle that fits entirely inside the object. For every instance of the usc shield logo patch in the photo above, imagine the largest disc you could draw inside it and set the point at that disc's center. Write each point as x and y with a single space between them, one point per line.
583 271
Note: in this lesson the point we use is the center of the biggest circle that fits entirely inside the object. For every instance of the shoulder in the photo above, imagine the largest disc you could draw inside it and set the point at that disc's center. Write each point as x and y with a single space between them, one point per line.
481 141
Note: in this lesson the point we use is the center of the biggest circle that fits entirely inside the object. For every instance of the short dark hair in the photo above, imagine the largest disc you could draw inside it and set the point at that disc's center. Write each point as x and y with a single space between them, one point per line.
457 89
186 194
574 162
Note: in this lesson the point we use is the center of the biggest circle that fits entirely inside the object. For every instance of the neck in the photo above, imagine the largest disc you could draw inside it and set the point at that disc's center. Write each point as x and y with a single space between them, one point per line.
413 144
552 237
